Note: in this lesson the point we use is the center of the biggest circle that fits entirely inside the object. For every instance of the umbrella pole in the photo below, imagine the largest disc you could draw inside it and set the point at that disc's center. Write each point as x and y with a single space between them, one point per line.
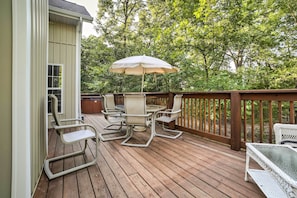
142 82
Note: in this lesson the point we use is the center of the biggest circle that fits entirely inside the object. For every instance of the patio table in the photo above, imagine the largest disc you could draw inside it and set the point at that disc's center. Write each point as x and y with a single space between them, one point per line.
279 162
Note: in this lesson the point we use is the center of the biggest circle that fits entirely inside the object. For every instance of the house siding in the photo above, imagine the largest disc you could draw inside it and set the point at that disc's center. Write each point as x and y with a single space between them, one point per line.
62 50
39 32
6 97
39 19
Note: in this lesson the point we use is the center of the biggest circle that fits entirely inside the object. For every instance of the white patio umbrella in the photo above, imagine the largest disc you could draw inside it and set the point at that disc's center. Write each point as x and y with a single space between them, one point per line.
140 65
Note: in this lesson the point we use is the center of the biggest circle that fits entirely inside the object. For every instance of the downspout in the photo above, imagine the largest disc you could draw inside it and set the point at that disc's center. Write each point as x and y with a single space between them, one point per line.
78 67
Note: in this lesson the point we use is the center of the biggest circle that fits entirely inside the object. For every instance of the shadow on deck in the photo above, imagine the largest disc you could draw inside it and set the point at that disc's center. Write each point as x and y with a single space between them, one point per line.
186 167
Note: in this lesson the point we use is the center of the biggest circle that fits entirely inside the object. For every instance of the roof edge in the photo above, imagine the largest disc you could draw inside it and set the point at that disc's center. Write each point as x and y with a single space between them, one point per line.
70 14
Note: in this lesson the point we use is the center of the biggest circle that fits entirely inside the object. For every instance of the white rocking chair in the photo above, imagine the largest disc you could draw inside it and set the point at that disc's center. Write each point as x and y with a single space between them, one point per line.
69 134
167 116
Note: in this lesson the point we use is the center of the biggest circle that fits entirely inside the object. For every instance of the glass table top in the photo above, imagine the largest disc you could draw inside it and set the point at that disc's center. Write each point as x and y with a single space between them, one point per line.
283 157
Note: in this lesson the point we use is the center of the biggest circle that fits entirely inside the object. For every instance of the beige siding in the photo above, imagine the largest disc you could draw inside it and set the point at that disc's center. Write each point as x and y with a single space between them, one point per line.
62 50
6 97
39 14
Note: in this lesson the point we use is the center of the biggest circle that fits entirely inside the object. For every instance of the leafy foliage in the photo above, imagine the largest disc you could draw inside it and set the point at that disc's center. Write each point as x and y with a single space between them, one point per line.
218 45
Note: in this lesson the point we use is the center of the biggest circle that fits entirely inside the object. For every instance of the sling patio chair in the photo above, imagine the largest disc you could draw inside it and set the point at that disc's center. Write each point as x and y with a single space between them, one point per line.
167 116
136 116
285 134
113 130
72 133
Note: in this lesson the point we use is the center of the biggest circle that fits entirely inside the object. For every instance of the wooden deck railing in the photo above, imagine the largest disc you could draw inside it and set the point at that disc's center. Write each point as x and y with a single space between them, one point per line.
232 117
238 117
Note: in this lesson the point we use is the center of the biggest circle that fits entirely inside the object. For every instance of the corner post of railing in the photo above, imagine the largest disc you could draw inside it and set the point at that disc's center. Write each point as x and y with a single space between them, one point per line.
235 121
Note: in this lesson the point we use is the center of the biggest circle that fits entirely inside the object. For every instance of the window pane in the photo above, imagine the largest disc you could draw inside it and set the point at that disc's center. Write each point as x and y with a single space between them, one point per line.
49 82
55 85
49 70
56 82
57 71
57 93
49 102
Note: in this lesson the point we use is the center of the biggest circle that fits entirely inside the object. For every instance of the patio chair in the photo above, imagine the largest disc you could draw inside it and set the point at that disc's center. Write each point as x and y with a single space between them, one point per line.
115 119
70 134
167 116
285 134
136 116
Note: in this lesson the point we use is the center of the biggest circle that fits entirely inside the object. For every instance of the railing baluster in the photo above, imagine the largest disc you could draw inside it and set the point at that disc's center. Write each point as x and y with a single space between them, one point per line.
261 120
220 118
196 114
292 112
270 120
214 115
253 122
225 117
279 111
192 114
244 121
200 114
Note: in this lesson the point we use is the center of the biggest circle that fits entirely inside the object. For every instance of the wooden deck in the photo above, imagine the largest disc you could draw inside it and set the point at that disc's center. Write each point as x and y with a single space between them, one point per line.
186 167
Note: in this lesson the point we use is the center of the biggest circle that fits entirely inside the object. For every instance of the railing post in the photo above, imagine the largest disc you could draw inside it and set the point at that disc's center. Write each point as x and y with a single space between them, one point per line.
235 121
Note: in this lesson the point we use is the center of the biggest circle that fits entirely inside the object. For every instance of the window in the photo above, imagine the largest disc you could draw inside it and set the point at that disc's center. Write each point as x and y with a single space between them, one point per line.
55 82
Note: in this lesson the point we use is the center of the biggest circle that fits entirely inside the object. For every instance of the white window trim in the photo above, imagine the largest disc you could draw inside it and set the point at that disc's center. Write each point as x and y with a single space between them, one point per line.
78 68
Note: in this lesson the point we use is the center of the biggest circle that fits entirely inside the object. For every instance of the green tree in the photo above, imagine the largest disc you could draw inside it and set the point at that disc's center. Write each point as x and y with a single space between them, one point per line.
218 45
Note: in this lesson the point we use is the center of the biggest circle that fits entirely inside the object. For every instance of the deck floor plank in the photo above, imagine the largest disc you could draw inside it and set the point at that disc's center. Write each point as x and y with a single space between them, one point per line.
120 174
84 184
99 185
178 166
70 180
151 180
216 168
190 166
166 179
112 183
55 188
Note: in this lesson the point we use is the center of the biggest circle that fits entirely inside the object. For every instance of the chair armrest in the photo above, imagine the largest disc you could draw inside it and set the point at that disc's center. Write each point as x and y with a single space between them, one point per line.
113 113
292 143
53 122
71 120
168 112
73 126
60 130
137 115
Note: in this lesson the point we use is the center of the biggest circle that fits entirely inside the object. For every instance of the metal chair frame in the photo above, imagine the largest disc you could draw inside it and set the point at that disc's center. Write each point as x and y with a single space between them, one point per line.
136 116
115 119
167 116
69 134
